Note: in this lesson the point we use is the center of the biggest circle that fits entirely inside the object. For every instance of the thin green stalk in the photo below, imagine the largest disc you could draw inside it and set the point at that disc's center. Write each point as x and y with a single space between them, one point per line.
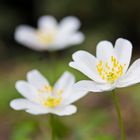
53 69
53 134
120 120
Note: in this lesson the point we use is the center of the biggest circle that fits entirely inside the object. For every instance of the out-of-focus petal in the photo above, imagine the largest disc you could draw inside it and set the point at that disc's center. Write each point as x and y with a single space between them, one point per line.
69 24
47 23
75 38
36 79
27 36
73 95
64 111
26 90
64 83
21 104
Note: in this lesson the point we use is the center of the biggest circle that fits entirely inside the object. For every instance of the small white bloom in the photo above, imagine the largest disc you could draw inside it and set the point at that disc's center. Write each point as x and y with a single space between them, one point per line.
109 69
41 98
50 35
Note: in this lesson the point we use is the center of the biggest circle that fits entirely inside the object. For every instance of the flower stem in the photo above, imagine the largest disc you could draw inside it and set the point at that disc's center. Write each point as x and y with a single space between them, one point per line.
120 120
52 123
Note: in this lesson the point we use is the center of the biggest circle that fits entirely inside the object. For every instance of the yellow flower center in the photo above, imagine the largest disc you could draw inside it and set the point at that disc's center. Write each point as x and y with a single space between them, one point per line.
46 38
52 101
110 71
48 98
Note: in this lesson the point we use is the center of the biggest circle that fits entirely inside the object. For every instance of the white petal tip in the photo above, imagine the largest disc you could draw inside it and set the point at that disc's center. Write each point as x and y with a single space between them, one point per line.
68 73
77 53
104 43
72 19
71 64
124 41
22 31
13 105
34 71
71 109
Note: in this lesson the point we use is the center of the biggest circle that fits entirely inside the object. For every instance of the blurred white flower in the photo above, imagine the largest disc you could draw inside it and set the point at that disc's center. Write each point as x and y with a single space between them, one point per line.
41 98
109 69
50 35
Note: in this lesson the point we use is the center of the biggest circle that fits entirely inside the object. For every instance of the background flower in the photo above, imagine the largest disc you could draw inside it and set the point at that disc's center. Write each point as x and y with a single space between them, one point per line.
41 98
109 69
50 35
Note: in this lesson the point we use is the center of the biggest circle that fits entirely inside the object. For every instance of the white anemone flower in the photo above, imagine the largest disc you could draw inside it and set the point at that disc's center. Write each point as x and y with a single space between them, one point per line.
109 69
41 98
50 35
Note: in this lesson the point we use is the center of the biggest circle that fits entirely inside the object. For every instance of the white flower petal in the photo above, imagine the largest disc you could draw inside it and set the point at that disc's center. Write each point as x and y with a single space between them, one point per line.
73 95
86 63
27 36
63 36
20 104
91 86
30 107
26 90
104 51
75 38
64 83
123 50
36 79
38 111
132 76
35 109
47 23
66 40
69 24
64 111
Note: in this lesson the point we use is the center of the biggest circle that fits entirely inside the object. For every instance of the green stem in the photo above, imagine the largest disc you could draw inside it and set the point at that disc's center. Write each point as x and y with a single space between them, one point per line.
120 120
53 134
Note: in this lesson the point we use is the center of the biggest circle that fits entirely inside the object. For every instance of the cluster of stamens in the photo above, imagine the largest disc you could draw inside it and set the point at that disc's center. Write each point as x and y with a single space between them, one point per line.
45 38
110 71
51 99
45 88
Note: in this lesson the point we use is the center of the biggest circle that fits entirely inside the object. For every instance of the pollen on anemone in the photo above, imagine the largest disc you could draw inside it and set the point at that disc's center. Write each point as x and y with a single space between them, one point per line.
109 69
41 98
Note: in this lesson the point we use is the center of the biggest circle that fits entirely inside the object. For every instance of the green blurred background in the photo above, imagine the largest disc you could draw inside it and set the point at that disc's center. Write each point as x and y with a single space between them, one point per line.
96 118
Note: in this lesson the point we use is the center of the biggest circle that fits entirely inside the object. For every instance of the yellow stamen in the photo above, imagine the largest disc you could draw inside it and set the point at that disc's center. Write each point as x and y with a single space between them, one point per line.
52 98
111 72
52 102
45 38
45 88
59 92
